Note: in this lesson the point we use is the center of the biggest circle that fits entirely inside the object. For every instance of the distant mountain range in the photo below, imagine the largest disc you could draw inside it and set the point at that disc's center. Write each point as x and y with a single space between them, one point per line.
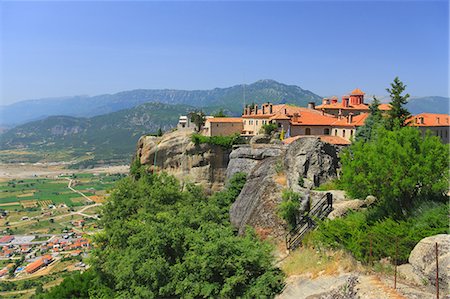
107 127
231 99
107 138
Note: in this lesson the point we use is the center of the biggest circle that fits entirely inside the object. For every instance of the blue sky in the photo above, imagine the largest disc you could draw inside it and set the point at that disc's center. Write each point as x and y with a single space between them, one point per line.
53 49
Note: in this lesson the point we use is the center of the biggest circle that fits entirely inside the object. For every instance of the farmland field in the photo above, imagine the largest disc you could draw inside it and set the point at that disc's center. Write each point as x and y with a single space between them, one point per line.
36 192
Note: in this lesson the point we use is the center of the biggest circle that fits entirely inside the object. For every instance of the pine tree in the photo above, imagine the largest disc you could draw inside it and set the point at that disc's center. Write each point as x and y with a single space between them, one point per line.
374 119
398 114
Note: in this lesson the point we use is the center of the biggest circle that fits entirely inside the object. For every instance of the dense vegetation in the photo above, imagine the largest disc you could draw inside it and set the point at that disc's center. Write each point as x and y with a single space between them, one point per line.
355 231
407 173
163 239
288 208
398 167
223 141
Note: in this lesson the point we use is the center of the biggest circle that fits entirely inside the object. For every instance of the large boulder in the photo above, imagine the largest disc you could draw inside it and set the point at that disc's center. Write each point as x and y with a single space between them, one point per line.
312 161
423 259
257 203
175 153
245 157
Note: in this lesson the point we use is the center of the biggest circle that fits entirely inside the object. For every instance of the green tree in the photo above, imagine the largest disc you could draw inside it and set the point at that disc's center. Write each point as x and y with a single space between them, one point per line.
160 132
220 113
198 118
161 239
269 128
398 167
374 119
398 114
289 207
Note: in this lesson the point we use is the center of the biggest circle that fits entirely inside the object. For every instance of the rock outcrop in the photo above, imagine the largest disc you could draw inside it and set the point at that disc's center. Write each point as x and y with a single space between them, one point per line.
312 161
423 259
270 169
204 164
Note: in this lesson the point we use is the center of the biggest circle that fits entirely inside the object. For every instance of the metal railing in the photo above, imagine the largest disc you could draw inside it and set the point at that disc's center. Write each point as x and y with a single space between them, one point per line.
306 223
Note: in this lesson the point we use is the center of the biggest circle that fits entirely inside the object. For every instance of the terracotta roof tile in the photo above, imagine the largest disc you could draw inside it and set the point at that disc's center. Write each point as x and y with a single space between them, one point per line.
224 120
429 120
357 92
357 121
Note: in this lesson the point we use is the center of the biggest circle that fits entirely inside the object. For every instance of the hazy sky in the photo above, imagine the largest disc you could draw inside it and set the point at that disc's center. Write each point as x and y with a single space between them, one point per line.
71 48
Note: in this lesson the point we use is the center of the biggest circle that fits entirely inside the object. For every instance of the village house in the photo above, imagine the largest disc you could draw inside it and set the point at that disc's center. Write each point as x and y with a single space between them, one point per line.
38 264
353 103
345 127
222 126
305 121
437 124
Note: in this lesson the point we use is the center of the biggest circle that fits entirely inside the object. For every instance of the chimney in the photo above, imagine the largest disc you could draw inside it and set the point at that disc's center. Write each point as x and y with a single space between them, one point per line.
311 105
295 117
256 109
326 101
437 120
350 118
285 111
345 101
270 108
264 108
334 100
323 112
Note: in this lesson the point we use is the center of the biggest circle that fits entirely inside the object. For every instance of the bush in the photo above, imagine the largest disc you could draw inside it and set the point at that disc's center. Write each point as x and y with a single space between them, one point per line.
269 128
398 167
223 141
288 209
161 240
355 231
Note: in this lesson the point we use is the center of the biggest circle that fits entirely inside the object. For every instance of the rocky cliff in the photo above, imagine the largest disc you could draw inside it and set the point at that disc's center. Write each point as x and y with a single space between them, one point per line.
270 169
175 153
305 163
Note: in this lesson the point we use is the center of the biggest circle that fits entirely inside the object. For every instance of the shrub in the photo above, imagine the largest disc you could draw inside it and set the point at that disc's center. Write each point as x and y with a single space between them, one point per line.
288 209
223 141
354 232
269 128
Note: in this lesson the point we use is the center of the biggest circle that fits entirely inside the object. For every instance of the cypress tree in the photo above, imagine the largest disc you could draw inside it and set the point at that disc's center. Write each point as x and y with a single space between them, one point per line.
398 114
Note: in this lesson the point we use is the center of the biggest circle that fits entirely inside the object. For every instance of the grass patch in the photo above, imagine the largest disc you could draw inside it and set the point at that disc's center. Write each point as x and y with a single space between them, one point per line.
307 260
330 185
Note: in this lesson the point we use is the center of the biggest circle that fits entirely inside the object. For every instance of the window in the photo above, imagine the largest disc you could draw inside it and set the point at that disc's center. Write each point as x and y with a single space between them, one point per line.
335 132
217 125
245 122
351 132
307 131
343 133
326 131
256 122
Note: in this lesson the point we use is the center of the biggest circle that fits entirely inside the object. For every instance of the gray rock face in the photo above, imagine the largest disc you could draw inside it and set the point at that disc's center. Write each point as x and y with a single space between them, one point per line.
257 204
423 259
260 139
311 159
245 158
176 154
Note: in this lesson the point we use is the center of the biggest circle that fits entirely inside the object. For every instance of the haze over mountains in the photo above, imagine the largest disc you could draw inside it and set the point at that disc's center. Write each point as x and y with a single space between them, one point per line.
231 98
108 126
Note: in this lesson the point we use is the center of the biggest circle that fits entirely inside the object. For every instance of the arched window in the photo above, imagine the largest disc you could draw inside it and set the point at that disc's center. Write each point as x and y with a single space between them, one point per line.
326 131
335 132
343 133
307 131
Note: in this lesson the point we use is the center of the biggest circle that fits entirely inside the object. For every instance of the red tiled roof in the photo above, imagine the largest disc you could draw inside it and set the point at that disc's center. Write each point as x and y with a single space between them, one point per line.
6 239
225 120
429 120
44 260
357 121
357 92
